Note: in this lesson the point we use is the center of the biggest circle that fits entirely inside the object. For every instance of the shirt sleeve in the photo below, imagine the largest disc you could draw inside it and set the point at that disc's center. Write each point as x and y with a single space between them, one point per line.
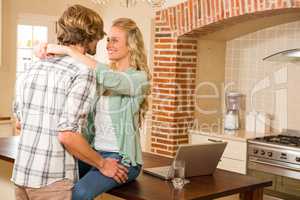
78 101
18 94
132 84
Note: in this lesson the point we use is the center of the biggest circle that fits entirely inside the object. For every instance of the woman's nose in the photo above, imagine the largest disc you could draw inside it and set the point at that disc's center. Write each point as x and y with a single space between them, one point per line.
108 44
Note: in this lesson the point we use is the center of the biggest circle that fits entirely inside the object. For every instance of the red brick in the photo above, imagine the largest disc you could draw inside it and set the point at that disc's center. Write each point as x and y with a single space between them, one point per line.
181 59
162 46
175 137
160 24
168 64
161 80
159 58
173 148
161 146
183 142
165 29
162 141
183 46
166 130
189 53
159 135
167 40
167 153
182 125
167 52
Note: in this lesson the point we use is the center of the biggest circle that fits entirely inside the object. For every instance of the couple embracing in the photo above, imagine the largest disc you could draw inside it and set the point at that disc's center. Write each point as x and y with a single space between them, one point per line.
78 118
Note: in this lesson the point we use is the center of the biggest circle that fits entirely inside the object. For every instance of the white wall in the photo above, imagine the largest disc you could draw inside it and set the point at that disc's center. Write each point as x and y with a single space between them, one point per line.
141 13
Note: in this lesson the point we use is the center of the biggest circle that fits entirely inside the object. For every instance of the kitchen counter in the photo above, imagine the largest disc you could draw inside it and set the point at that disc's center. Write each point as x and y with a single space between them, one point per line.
238 135
222 183
6 126
8 148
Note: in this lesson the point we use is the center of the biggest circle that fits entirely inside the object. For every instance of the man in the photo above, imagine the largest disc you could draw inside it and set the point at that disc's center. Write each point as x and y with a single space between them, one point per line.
52 101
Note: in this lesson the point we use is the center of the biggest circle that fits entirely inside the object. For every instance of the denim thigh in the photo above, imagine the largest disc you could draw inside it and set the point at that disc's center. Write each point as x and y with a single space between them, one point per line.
94 183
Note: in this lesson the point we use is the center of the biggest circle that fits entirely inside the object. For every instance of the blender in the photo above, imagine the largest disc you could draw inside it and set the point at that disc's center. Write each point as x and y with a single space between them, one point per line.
231 119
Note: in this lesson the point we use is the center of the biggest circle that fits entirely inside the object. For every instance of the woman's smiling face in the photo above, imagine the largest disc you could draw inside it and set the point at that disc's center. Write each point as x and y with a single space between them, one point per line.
117 48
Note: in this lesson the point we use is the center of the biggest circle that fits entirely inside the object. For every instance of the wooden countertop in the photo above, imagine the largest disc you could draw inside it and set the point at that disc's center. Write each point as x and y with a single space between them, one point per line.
5 120
221 183
8 148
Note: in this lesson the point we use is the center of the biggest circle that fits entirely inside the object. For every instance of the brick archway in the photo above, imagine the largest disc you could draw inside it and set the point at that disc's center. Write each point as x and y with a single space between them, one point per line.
175 59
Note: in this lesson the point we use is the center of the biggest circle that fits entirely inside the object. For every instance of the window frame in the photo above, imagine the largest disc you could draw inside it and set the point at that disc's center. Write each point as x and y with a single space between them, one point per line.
36 20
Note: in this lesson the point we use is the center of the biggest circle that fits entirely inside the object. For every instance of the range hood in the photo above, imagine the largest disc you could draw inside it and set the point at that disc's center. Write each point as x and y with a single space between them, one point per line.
291 55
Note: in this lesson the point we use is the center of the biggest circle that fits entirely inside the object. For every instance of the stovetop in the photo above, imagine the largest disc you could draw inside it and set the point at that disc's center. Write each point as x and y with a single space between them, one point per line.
279 151
285 140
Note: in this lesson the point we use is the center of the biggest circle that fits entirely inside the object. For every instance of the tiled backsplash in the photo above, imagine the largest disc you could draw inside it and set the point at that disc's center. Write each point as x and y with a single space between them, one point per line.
265 82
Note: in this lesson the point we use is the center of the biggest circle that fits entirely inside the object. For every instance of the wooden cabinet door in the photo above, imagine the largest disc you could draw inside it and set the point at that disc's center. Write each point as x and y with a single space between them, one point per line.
289 186
264 176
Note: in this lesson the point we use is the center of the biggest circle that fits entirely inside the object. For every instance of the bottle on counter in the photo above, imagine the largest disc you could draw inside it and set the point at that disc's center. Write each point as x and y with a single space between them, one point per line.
251 121
263 121
258 123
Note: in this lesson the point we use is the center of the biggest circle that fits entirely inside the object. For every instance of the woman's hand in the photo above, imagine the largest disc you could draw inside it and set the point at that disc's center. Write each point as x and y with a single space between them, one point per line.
111 168
17 127
57 49
40 51
45 50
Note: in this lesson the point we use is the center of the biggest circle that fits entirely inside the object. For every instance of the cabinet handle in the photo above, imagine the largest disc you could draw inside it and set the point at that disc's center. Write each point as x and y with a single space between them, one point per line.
211 140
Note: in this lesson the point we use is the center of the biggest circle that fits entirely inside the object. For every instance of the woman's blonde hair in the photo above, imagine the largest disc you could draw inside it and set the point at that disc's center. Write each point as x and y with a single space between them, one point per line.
137 53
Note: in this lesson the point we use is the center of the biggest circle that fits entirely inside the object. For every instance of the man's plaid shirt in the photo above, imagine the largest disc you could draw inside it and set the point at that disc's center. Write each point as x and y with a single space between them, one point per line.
51 96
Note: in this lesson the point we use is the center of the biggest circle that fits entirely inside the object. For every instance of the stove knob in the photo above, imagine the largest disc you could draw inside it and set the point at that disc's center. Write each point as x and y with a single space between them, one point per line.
262 152
270 154
255 151
297 159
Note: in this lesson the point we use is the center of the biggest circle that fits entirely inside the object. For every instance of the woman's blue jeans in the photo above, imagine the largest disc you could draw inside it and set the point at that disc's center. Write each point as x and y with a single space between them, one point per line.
93 183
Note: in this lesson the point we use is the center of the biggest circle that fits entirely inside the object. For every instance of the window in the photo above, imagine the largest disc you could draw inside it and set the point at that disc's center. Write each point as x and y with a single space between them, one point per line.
31 30
28 37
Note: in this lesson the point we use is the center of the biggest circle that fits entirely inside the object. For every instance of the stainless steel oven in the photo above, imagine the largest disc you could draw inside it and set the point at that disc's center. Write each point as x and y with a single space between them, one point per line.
277 158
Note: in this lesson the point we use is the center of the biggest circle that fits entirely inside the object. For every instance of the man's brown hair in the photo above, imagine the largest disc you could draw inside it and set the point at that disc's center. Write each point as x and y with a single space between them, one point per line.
79 25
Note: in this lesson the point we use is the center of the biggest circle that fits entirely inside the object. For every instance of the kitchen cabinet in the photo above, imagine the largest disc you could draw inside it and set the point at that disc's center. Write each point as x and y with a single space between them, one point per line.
7 187
264 176
235 155
6 128
288 186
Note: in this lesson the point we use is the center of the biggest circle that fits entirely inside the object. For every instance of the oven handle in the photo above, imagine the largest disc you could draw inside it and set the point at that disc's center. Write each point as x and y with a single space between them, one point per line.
272 164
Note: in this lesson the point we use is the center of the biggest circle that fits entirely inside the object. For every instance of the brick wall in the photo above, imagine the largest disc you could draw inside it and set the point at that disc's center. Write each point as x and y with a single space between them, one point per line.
175 56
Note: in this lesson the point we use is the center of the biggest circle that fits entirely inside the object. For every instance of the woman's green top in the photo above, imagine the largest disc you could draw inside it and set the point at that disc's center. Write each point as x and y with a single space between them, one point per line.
127 92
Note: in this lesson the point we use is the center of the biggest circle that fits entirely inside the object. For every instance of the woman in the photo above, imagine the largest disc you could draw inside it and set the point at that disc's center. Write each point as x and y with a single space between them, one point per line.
113 124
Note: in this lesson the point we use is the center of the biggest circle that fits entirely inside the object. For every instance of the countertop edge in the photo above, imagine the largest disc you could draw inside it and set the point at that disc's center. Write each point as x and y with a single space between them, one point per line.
235 136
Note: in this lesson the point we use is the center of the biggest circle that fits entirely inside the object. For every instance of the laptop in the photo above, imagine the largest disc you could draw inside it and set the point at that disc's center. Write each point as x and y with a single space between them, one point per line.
200 159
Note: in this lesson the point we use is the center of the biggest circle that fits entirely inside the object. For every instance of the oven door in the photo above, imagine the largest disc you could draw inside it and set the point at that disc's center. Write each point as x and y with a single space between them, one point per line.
286 182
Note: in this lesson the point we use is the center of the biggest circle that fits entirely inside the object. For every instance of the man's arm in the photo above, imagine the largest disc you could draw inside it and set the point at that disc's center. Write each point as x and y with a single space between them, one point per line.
76 108
77 146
